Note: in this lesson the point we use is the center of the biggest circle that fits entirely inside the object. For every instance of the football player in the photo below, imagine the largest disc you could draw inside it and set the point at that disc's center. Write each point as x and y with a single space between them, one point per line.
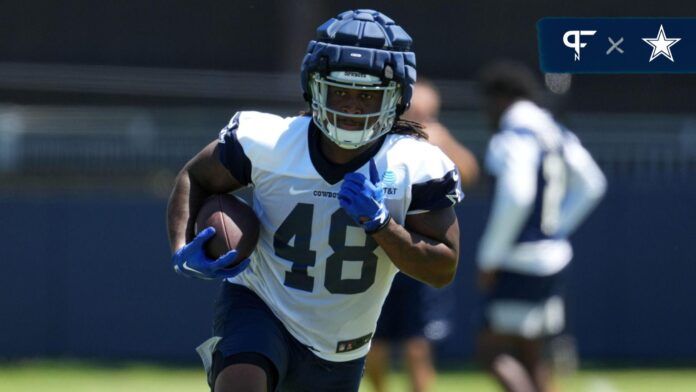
546 183
346 196
414 314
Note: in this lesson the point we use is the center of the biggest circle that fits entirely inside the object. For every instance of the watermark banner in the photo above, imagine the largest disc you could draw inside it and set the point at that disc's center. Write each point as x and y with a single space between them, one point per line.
617 45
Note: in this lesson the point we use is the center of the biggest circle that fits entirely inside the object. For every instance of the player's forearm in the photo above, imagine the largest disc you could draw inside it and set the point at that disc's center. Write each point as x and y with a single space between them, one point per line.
420 257
578 205
586 187
186 197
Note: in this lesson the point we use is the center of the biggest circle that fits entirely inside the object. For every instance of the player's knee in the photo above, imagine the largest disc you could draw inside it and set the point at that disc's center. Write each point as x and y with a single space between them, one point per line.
241 378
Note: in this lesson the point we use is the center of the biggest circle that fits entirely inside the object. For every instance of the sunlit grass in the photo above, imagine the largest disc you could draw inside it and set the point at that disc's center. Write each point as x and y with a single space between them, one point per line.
82 376
79 376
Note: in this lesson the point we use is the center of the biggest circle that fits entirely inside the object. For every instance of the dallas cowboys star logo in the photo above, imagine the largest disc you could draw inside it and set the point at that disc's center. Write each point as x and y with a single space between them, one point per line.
661 45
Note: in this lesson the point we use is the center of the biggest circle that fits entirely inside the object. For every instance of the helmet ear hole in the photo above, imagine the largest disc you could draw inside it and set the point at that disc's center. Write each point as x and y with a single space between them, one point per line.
388 72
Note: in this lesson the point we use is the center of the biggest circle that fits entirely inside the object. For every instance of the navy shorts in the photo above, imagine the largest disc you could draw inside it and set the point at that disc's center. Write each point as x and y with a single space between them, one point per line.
403 314
247 326
414 309
524 305
516 286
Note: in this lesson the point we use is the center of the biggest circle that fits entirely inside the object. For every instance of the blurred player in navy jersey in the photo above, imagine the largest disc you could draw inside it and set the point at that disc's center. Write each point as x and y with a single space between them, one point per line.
546 183
346 197
410 316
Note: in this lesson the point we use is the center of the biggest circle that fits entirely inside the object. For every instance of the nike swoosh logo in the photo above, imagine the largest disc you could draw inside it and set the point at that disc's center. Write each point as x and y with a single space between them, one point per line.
186 267
294 191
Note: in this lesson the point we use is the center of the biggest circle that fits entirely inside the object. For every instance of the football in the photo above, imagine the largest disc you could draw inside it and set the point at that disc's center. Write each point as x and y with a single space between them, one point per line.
236 226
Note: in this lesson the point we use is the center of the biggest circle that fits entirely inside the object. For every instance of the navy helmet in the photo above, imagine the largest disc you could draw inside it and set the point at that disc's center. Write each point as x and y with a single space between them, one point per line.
362 49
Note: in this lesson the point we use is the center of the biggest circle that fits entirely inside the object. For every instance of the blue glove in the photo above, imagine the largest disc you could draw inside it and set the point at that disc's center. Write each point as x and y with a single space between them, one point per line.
192 262
363 200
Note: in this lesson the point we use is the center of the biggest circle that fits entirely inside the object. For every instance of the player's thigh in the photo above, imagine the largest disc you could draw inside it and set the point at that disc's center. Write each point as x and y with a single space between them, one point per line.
242 377
378 361
379 352
417 350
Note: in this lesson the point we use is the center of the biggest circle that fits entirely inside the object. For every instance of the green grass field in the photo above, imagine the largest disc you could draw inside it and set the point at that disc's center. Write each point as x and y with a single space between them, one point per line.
83 377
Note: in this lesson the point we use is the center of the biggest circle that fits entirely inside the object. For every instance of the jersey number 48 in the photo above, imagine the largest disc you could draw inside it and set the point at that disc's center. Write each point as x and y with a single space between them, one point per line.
298 224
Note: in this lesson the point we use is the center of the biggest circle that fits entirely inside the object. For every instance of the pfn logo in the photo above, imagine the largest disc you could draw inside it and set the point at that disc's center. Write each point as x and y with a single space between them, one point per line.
576 43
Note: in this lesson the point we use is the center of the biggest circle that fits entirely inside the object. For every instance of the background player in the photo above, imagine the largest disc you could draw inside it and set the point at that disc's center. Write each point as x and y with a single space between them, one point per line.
405 313
546 184
425 109
346 197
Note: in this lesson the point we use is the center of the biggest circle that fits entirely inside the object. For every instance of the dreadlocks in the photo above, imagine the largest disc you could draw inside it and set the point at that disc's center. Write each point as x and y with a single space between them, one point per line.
407 127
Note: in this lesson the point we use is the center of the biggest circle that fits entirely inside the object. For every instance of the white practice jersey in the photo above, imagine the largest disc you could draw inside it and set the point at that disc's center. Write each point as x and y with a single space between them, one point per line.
546 184
317 270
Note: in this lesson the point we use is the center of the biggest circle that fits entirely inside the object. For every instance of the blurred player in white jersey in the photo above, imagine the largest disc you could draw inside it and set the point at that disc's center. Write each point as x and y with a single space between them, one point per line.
407 316
346 197
546 183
